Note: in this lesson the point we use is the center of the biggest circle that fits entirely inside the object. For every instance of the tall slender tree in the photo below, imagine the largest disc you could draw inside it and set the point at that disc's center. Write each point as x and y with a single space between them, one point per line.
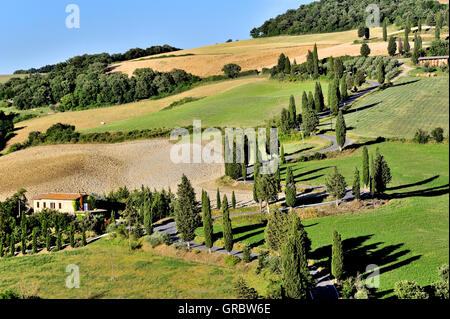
290 189
385 29
381 74
233 200
227 228
392 46
318 98
365 169
344 92
187 216
34 238
334 99
356 189
315 62
207 221
341 130
337 257
218 204
292 112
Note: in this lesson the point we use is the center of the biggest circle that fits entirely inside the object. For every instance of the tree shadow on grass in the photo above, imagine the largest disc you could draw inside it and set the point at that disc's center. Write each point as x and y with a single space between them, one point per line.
428 192
362 108
355 146
426 181
252 230
405 83
298 177
358 256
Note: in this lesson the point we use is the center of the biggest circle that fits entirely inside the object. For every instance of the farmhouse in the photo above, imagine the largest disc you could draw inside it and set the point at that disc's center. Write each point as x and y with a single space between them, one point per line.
64 202
434 60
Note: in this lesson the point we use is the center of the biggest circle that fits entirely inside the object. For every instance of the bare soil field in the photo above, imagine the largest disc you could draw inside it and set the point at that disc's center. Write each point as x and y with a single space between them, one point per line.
255 53
93 117
100 168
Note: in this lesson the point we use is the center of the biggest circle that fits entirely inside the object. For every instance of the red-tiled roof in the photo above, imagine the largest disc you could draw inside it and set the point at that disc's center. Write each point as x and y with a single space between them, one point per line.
60 196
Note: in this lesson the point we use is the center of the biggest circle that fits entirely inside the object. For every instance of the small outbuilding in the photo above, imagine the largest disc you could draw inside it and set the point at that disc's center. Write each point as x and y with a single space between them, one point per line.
434 60
63 202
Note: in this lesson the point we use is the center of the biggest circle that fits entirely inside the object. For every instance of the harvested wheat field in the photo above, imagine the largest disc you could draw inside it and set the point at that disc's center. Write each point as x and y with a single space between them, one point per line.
100 168
254 53
93 117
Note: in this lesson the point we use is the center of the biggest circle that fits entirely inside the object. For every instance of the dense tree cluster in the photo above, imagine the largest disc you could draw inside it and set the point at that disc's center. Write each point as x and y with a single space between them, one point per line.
83 82
6 127
339 15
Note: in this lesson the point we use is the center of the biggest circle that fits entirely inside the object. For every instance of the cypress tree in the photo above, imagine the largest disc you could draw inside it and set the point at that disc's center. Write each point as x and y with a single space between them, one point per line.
309 121
381 174
365 170
12 245
341 130
381 75
227 228
315 62
336 87
311 102
437 32
292 112
334 100
407 47
23 233
372 167
148 218
277 229
72 235
58 238
218 204
318 98
282 157
281 63
187 217
419 25
290 189
244 171
233 200
356 185
48 241
296 280
287 66
365 50
305 103
392 46
2 241
337 258
344 92
384 30
207 221
34 236
83 237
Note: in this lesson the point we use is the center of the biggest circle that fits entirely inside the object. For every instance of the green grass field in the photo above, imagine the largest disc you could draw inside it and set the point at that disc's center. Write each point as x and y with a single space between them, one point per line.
244 106
5 77
398 111
407 238
138 274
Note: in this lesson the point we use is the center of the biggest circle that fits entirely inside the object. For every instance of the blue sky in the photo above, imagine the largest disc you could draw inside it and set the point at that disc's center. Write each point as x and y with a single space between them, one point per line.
33 33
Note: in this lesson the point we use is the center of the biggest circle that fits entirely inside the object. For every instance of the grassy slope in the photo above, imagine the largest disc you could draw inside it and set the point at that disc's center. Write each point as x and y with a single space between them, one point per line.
407 239
398 111
138 274
5 77
246 105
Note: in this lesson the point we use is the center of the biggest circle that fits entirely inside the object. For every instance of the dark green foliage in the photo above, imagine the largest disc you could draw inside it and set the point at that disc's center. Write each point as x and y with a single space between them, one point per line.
365 170
282 157
421 136
309 121
409 290
341 130
319 102
360 78
367 33
290 189
343 89
438 48
233 200
243 291
441 287
231 70
337 257
227 228
148 216
48 241
406 47
381 174
381 74
218 201
277 230
334 98
59 242
35 239
341 15
247 254
23 234
356 189
287 66
12 245
315 62
207 221
281 62
365 50
392 46
385 29
292 112
187 216
2 243
438 134
296 279
338 68
83 237
336 185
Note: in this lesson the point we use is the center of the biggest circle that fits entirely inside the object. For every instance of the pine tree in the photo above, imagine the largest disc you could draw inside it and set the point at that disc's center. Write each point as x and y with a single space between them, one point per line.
344 92
381 174
292 112
392 46
227 228
207 221
187 216
218 205
337 257
34 236
365 170
318 98
290 189
381 75
315 62
356 185
385 30
341 130
296 280
336 185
